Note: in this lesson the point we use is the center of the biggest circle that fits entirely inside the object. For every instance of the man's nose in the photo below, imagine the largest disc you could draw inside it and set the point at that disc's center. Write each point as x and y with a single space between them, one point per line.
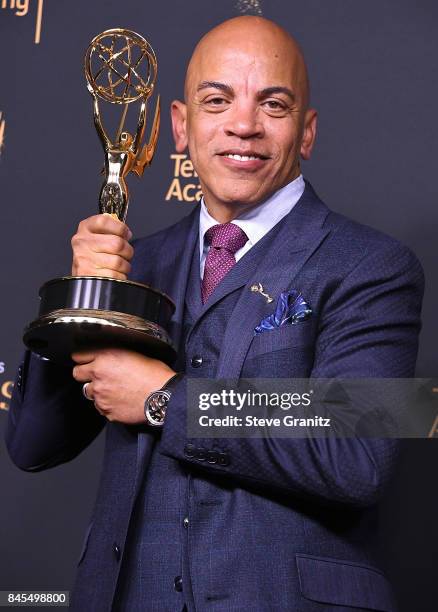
244 121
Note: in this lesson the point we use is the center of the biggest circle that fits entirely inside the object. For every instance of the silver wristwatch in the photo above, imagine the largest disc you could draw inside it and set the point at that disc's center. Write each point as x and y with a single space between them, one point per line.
156 402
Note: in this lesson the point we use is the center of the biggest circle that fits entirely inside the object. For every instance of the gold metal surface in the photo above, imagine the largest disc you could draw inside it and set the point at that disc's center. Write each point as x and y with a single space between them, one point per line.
258 288
121 68
56 335
103 317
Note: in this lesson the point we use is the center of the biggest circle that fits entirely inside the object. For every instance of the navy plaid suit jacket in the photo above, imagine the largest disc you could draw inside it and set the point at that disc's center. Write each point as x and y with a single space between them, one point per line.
295 527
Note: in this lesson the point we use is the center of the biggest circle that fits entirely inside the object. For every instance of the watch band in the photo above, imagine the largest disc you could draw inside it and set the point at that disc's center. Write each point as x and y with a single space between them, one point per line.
170 385
156 402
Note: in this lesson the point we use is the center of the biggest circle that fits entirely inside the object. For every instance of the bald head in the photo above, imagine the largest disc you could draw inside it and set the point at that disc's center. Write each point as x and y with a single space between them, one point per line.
253 36
245 120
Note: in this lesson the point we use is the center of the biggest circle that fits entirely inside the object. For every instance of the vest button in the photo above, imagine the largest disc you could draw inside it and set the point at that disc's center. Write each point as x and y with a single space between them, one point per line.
186 522
212 456
196 361
177 584
190 450
223 459
201 453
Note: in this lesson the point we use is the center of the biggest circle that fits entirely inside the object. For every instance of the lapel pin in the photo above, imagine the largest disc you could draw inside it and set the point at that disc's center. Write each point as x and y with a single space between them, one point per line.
258 288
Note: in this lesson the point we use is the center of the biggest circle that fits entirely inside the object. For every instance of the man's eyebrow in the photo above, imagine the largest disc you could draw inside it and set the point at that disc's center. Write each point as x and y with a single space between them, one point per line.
216 85
269 91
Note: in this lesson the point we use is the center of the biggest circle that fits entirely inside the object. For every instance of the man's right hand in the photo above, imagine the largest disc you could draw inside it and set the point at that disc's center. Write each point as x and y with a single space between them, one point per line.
101 248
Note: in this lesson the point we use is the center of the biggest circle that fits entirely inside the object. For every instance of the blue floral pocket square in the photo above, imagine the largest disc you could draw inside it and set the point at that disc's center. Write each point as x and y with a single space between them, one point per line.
291 309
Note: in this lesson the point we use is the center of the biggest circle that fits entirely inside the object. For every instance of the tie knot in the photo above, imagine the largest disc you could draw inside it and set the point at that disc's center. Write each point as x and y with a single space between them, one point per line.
227 236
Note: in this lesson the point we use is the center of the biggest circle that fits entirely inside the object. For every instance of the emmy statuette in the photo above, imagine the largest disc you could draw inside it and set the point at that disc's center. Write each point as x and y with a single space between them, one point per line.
82 312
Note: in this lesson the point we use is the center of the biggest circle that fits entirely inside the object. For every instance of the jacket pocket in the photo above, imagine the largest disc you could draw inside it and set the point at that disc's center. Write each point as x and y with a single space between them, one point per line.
344 583
299 335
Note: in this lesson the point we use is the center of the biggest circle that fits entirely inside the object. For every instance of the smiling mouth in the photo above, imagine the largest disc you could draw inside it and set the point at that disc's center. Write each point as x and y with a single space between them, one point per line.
241 157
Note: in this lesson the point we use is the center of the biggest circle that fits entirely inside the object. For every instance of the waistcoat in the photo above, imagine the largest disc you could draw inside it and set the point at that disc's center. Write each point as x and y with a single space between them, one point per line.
155 575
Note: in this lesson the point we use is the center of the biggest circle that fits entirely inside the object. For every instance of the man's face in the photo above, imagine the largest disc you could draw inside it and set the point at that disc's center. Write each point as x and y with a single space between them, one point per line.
244 120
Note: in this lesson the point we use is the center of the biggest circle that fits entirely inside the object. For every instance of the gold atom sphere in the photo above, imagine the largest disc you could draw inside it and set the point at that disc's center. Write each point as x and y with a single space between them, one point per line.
120 66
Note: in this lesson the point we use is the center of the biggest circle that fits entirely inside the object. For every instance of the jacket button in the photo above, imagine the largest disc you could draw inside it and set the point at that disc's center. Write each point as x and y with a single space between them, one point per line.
117 552
224 459
212 456
196 361
201 454
189 450
177 584
186 522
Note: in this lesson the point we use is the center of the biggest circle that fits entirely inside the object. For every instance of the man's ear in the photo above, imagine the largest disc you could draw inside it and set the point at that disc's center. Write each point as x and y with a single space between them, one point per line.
178 111
309 133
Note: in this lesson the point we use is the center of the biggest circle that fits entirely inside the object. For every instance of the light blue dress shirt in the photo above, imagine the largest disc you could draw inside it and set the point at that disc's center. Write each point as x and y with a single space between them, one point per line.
255 222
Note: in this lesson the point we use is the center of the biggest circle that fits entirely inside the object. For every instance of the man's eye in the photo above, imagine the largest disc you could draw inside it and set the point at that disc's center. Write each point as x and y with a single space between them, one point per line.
215 101
274 105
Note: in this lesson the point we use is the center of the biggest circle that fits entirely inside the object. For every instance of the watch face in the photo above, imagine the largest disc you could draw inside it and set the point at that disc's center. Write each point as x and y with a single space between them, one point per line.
155 407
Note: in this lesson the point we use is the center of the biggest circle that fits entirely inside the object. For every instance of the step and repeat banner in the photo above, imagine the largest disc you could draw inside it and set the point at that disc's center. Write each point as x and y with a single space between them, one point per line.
372 67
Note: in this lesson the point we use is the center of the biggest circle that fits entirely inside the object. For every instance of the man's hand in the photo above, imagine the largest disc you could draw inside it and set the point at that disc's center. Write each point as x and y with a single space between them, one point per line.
119 381
101 248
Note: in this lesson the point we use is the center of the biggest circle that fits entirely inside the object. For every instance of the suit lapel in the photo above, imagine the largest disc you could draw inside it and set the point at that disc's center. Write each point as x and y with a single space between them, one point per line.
282 255
173 269
170 276
193 299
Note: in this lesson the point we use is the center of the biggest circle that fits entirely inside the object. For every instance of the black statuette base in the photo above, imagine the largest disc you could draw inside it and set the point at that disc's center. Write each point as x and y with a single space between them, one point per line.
81 313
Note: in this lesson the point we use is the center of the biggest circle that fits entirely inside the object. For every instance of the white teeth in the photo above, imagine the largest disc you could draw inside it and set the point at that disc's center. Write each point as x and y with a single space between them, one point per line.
240 157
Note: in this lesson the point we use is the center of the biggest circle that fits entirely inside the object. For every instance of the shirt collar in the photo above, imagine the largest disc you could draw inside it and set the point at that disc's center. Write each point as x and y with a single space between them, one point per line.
259 220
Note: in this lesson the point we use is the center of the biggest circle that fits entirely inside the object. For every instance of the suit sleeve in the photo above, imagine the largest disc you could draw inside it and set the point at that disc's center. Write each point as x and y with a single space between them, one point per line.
49 421
369 328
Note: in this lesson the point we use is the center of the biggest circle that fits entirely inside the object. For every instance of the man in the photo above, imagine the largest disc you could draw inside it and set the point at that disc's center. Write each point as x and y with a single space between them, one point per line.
243 525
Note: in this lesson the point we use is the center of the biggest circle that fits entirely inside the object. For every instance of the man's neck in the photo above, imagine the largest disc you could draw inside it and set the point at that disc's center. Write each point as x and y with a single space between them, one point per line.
225 212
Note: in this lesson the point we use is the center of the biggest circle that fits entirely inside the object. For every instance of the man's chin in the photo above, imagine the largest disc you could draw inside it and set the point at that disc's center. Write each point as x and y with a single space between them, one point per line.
250 195
232 198
245 200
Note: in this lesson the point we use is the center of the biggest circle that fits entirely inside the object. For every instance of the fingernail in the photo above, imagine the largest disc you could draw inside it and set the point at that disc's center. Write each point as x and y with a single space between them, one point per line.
129 234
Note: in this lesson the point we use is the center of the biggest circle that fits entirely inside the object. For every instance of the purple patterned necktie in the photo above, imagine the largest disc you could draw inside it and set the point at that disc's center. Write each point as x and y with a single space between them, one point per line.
224 240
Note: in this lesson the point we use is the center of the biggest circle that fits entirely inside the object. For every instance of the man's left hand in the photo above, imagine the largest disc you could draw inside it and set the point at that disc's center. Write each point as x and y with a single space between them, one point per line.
119 381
